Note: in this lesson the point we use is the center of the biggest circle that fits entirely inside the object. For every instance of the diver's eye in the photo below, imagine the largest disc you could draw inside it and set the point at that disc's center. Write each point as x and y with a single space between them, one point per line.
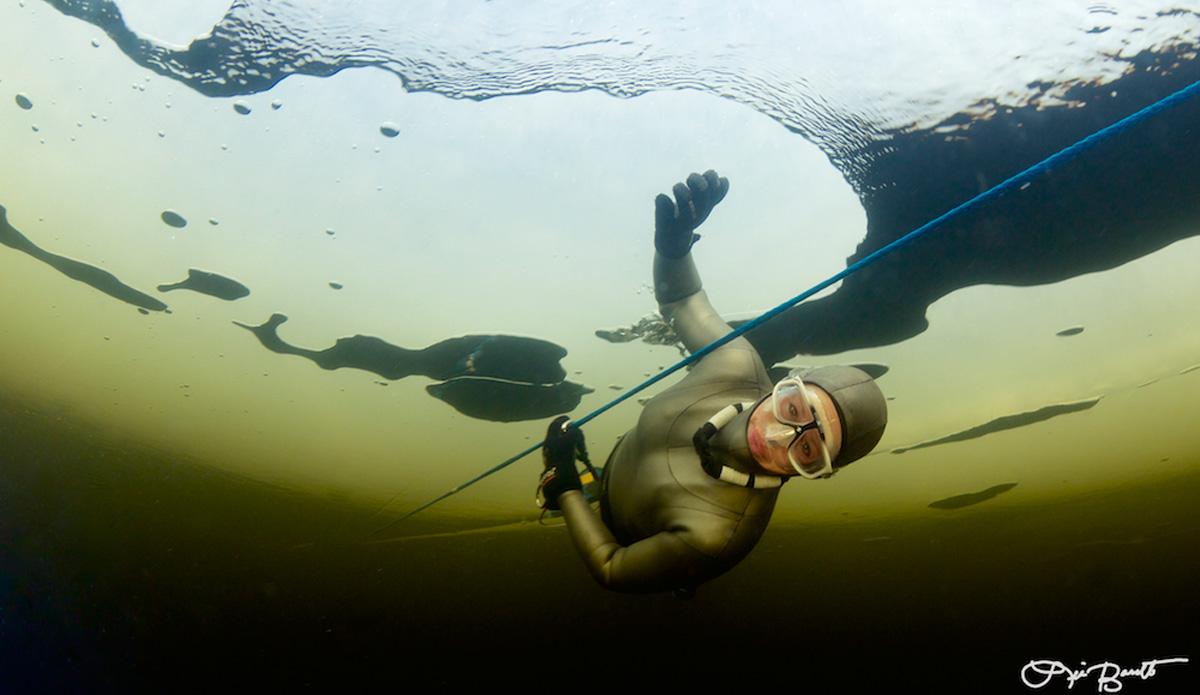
807 448
792 411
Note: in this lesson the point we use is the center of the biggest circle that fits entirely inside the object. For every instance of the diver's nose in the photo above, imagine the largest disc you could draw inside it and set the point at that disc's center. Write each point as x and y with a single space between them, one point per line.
777 434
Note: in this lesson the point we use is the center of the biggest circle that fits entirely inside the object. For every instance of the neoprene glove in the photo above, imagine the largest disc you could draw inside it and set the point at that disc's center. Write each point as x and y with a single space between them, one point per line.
564 442
675 222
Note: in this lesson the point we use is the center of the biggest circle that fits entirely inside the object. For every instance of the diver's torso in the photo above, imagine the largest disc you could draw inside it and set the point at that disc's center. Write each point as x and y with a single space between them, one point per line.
656 483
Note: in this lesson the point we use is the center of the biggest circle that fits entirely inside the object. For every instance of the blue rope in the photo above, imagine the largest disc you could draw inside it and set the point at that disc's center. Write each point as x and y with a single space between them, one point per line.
987 196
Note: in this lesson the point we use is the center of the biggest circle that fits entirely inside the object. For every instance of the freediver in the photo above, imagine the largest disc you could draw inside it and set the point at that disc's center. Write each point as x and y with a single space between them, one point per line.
687 493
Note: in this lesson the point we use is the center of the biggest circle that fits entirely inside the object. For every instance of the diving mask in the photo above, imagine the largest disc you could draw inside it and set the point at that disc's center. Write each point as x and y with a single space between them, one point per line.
797 417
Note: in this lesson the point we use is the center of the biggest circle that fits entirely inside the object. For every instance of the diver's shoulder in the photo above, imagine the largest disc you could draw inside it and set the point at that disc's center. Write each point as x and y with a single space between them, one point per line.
737 359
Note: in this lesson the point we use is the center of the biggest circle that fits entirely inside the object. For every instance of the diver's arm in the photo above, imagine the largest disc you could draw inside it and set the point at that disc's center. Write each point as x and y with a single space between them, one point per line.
662 562
677 286
684 305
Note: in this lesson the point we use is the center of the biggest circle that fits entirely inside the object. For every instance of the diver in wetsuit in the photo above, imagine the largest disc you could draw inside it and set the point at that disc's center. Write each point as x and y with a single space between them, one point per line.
688 491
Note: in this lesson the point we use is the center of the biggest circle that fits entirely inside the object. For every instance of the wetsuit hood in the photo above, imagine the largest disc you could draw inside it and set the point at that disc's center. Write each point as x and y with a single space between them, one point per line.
860 404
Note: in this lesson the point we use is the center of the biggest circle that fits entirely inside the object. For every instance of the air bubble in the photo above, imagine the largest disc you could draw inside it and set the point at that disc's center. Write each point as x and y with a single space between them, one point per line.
389 129
173 219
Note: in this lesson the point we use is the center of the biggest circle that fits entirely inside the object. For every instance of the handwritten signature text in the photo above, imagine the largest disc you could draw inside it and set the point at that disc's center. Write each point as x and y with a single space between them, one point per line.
1109 676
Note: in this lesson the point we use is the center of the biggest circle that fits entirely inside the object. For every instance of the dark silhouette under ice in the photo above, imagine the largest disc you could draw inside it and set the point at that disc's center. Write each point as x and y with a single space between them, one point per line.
960 501
100 279
208 283
502 378
1006 422
501 400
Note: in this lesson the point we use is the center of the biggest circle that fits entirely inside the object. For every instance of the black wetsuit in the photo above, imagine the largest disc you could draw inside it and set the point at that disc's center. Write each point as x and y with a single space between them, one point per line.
670 525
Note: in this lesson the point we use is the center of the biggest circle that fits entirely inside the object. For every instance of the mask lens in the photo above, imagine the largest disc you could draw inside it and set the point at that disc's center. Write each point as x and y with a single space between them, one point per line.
791 403
807 451
811 468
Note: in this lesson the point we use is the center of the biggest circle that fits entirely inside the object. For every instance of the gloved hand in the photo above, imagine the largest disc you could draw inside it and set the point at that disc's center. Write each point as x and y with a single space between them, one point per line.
563 444
674 222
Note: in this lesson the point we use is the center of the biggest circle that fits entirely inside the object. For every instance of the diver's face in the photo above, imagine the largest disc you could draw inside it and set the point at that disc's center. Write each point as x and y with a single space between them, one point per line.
769 438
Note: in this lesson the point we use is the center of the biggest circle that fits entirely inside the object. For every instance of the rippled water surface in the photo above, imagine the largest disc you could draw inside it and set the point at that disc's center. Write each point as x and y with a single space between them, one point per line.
275 274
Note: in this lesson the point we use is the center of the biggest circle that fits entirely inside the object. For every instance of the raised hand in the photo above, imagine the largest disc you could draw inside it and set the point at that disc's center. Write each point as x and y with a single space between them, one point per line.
675 222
